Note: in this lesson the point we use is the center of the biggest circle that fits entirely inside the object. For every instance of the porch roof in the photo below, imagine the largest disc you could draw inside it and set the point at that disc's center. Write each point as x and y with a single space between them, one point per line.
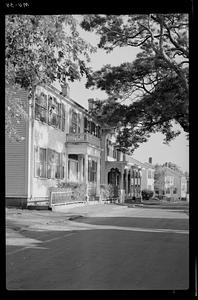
120 165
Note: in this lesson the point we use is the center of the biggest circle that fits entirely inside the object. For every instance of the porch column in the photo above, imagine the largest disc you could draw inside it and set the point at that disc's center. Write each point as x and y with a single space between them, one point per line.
81 168
133 187
86 175
122 187
129 183
126 195
98 178
66 167
140 172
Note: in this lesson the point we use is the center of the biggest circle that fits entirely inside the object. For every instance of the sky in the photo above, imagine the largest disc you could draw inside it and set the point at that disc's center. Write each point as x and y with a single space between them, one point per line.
176 152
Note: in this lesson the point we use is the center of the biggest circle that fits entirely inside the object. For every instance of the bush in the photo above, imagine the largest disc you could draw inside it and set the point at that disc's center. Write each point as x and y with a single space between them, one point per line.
108 191
147 194
78 189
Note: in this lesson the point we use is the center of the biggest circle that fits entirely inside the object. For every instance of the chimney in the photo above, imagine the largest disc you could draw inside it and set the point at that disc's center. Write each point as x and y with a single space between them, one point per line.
150 160
65 90
90 103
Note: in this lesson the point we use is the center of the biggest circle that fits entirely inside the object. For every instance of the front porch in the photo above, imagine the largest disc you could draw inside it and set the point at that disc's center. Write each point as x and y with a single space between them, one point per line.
84 166
125 179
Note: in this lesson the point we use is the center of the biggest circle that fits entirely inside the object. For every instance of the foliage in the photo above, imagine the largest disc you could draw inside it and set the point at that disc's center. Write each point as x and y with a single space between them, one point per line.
108 191
42 49
147 194
16 113
156 83
78 189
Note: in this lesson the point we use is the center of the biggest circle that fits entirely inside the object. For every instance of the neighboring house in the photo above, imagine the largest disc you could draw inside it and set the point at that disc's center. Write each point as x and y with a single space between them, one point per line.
148 171
170 183
119 169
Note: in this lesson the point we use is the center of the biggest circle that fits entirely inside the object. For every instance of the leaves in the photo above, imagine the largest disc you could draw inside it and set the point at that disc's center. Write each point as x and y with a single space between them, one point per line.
42 49
156 83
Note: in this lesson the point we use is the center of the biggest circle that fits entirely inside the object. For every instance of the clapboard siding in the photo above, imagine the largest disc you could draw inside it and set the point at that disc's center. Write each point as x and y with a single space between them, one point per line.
16 160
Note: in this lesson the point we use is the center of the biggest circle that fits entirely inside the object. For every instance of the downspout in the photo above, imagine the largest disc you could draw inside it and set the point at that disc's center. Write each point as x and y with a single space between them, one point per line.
30 145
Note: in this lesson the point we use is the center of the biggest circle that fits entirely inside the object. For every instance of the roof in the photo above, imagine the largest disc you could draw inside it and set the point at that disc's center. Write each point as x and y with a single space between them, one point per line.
173 172
130 159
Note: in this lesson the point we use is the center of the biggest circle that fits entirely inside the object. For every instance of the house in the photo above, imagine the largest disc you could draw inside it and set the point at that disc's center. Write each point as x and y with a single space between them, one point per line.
62 143
119 169
170 183
148 176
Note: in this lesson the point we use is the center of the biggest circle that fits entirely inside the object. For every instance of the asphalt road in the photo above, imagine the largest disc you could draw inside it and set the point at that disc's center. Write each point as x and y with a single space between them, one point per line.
117 254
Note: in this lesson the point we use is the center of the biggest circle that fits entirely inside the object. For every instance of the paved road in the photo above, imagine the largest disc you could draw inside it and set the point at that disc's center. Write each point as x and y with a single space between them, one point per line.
115 253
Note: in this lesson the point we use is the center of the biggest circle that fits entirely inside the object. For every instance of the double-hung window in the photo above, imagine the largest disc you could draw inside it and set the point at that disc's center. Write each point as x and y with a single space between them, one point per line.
41 107
40 162
54 112
74 122
48 164
53 164
49 110
92 171
149 174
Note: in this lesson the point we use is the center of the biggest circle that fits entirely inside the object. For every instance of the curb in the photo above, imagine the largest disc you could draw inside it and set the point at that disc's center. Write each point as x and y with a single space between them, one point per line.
72 218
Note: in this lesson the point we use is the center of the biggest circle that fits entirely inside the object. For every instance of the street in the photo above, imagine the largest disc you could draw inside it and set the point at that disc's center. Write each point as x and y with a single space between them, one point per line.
101 253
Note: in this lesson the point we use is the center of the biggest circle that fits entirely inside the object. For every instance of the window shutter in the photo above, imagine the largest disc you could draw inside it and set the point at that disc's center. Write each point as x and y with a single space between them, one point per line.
70 120
85 124
79 122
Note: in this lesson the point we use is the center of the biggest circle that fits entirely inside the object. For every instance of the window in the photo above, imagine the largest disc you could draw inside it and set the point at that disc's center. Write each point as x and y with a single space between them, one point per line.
114 152
75 122
72 169
149 174
98 130
92 170
107 147
41 107
168 191
49 110
93 128
54 110
85 124
54 164
40 162
48 164
175 191
118 155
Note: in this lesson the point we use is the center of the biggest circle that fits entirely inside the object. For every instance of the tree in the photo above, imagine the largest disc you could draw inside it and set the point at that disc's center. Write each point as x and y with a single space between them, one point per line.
159 179
40 49
156 82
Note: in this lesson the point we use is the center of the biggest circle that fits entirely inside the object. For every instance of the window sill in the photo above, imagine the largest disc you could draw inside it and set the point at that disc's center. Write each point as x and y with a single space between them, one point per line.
44 123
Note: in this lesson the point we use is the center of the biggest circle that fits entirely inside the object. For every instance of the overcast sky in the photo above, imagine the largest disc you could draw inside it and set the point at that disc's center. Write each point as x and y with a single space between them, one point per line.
177 151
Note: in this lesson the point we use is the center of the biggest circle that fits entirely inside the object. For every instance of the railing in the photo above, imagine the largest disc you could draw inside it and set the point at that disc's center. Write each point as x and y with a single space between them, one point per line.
82 138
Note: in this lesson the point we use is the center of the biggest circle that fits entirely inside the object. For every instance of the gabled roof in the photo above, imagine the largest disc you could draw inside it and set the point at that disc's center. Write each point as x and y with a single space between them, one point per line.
148 165
173 172
130 159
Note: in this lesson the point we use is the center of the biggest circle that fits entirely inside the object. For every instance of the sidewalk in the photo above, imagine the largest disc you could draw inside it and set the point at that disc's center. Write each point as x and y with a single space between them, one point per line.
61 216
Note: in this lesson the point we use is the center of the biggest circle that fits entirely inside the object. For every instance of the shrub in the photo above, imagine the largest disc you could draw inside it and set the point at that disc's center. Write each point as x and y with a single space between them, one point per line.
147 194
108 191
78 189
